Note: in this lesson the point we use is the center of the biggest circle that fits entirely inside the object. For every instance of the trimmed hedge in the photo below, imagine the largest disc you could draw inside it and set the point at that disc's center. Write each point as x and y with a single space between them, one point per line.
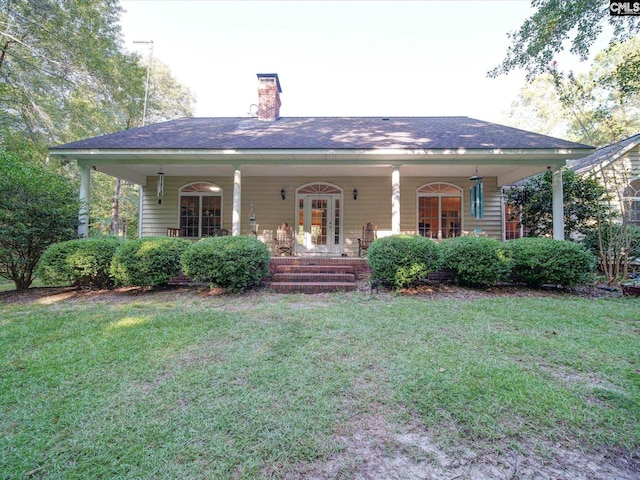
148 262
236 263
81 262
401 260
545 261
476 261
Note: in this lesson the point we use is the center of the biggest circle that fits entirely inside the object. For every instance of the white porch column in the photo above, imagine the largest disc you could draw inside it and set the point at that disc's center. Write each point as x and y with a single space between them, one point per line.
237 199
557 204
140 209
85 199
395 199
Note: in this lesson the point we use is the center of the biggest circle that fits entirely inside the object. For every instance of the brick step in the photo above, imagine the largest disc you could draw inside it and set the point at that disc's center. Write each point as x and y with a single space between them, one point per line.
301 276
314 269
311 287
315 274
359 266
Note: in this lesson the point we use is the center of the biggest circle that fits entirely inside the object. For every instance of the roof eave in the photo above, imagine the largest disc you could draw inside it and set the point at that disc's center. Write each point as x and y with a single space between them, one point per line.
608 159
536 155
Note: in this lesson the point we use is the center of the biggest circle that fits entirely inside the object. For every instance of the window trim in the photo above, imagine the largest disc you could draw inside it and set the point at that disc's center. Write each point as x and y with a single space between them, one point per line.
631 203
213 190
631 197
439 190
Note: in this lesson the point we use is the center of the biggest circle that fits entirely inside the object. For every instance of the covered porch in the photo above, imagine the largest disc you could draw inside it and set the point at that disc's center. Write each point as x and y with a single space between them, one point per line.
326 198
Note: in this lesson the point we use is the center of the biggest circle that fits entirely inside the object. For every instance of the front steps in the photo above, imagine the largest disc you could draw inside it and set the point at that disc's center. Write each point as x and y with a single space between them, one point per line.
315 274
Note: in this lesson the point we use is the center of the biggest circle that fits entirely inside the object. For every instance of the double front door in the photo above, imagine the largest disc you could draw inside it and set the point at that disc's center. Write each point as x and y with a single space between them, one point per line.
319 223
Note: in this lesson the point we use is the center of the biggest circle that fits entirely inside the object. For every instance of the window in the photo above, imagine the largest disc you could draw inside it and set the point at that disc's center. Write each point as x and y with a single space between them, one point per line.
439 210
200 209
632 202
512 228
634 211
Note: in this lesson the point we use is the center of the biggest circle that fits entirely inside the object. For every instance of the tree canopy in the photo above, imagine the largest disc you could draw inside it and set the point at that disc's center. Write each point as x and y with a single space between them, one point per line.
64 75
597 107
51 53
553 25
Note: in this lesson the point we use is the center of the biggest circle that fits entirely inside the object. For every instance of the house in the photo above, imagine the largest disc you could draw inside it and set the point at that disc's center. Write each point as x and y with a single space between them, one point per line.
617 166
325 177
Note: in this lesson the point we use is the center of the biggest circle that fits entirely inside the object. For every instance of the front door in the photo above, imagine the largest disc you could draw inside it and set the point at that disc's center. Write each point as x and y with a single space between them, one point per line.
319 220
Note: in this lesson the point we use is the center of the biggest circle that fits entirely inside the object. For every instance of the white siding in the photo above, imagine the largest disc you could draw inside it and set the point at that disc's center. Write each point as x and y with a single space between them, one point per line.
490 225
156 218
619 174
373 204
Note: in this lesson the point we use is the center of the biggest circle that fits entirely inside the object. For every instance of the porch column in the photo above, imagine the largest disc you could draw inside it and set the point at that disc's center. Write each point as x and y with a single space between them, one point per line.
85 199
557 204
140 209
237 199
395 199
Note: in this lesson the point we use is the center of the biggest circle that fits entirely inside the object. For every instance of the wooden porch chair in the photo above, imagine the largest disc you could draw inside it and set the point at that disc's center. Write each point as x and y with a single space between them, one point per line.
173 232
369 234
284 240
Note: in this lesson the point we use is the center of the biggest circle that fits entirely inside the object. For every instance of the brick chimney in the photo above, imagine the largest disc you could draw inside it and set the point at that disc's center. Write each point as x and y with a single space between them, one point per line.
268 96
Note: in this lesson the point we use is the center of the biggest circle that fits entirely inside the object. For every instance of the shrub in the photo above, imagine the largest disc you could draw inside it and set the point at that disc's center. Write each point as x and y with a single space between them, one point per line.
235 263
545 261
619 244
476 261
148 262
401 260
81 262
38 208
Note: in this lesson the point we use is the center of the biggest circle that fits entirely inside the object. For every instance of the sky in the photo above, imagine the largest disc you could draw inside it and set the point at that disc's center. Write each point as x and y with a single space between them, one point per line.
336 58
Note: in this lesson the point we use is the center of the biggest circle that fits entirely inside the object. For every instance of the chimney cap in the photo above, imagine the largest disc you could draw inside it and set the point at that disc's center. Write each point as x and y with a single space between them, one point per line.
271 75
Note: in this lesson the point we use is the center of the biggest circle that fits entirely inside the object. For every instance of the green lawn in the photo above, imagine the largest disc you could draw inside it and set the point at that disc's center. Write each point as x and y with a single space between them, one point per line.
187 385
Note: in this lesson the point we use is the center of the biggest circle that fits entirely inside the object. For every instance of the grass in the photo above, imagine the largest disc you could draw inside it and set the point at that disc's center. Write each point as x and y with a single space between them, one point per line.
8 285
260 386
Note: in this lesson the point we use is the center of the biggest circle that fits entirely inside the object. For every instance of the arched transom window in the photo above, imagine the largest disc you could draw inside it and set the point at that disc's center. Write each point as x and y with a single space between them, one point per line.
319 189
439 210
200 209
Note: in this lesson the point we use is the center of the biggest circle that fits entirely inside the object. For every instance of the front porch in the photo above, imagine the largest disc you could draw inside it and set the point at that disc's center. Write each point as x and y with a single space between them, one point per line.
327 217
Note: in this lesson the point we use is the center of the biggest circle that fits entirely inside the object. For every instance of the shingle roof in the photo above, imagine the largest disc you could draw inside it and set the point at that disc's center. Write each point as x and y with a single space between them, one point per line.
324 133
604 154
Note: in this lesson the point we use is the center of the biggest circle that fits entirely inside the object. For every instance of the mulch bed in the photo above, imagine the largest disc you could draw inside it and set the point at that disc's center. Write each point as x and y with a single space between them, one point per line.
431 290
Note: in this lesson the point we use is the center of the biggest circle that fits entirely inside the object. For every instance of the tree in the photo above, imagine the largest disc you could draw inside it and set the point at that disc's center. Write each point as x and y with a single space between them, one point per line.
64 76
582 199
544 34
36 210
538 108
51 50
603 109
597 107
167 99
